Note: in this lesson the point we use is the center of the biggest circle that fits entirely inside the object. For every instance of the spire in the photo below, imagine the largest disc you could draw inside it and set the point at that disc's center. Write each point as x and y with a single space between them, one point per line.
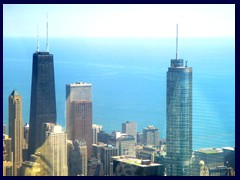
38 50
177 42
47 46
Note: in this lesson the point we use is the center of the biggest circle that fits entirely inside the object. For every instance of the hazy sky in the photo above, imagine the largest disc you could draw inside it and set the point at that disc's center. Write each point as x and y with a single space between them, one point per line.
136 20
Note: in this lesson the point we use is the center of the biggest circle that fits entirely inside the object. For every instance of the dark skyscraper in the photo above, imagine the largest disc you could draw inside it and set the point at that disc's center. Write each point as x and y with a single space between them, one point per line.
43 102
179 118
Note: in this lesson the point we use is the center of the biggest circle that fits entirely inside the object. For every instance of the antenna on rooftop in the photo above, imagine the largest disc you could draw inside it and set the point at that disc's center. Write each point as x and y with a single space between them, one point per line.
177 42
47 46
37 41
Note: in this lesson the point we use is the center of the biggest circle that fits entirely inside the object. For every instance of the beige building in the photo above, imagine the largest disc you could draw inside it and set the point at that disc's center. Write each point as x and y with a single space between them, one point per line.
31 169
16 129
7 148
84 156
130 128
53 152
7 168
125 145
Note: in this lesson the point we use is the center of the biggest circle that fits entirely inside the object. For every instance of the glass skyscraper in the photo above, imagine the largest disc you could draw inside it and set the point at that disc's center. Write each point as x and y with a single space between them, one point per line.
179 118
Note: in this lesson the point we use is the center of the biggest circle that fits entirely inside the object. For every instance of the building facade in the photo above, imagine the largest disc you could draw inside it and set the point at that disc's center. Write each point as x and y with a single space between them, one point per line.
213 159
43 100
151 136
53 152
179 118
79 113
126 145
79 159
130 128
96 129
26 135
106 155
16 129
128 166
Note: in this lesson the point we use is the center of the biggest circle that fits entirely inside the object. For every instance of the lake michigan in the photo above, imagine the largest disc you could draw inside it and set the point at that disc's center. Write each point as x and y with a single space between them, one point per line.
128 77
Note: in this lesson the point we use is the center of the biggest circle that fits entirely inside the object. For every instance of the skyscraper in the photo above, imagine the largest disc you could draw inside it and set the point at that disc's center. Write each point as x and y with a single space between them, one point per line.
79 158
79 113
130 128
43 101
179 117
151 136
16 129
106 154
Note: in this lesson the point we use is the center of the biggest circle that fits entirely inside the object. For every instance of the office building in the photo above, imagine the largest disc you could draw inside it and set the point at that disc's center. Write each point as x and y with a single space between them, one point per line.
95 167
7 148
139 138
130 128
179 117
53 152
79 158
4 129
103 137
7 168
43 100
97 149
16 129
146 152
96 129
125 145
128 166
229 157
26 135
151 136
213 160
69 155
79 113
106 154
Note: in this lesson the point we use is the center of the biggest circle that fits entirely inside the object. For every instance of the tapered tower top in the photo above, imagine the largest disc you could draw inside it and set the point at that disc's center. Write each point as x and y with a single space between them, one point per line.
15 93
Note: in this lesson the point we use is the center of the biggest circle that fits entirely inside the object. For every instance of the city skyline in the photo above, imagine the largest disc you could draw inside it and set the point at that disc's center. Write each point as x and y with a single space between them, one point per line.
80 108
119 20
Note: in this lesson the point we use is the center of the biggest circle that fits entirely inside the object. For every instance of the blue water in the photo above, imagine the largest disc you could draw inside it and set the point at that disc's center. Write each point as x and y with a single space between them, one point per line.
128 77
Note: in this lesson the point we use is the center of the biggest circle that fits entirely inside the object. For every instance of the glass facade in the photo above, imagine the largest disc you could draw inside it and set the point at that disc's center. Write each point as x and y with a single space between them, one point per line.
179 119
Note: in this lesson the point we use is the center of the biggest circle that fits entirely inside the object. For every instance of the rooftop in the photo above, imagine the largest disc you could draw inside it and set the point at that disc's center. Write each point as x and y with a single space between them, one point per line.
229 148
133 161
210 150
80 84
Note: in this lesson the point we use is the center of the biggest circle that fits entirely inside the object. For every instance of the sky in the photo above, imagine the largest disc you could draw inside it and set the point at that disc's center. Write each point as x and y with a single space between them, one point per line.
119 20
